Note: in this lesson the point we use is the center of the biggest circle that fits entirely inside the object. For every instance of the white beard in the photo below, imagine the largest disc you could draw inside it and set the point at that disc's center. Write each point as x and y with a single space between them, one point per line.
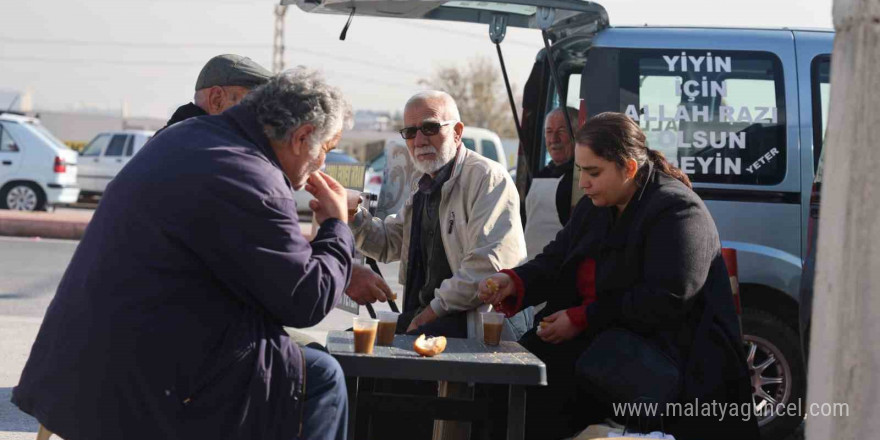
432 166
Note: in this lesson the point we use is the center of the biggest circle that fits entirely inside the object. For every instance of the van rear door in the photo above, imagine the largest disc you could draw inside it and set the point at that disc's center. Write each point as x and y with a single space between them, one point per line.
566 15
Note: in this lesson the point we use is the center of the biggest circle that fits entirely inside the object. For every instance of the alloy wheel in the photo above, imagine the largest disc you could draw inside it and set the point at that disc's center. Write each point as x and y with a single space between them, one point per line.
770 377
22 198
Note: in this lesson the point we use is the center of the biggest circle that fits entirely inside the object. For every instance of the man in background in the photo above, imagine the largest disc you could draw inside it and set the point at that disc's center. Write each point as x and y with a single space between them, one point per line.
223 82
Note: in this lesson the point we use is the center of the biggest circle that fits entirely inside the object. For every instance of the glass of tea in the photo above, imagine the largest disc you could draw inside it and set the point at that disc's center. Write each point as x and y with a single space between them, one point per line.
364 334
493 323
387 327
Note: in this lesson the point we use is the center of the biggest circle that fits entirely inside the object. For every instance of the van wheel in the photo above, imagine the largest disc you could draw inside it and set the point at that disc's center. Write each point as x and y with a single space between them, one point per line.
22 196
777 372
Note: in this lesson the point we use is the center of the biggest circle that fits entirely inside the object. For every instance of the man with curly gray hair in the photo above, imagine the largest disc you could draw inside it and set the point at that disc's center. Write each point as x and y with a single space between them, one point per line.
169 321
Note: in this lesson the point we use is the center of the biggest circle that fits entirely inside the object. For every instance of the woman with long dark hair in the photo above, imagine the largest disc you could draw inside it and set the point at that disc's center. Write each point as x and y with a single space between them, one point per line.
635 285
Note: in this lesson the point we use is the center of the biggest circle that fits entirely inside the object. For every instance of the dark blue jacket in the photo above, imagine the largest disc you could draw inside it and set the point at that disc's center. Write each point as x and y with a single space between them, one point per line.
168 321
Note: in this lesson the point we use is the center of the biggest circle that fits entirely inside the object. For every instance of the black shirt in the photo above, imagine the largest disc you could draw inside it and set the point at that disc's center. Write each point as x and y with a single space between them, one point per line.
428 265
183 113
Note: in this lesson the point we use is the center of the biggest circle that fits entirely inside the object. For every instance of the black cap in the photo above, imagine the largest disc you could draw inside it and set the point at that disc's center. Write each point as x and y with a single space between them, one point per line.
232 70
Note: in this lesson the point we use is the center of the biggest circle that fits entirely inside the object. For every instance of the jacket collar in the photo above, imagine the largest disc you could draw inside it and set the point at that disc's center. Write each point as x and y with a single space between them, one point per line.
246 120
456 170
619 231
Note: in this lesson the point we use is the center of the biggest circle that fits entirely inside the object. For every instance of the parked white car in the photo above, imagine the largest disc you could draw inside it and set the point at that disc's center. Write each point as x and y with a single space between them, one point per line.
37 171
486 142
105 156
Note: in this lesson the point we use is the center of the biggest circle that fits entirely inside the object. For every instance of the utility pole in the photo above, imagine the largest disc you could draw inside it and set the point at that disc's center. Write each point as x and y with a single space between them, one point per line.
845 335
278 44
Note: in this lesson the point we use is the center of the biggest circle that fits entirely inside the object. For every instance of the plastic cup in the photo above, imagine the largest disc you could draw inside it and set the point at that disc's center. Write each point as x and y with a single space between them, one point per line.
353 198
493 324
387 327
364 334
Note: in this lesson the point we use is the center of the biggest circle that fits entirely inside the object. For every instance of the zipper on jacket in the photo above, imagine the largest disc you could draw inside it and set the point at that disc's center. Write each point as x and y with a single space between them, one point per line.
302 402
451 222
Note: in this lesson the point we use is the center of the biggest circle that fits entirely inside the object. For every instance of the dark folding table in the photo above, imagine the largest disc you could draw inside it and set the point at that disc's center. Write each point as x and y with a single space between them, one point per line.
464 361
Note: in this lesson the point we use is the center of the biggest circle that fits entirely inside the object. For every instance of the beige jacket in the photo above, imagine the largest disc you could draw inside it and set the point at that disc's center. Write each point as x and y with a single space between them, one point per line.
481 232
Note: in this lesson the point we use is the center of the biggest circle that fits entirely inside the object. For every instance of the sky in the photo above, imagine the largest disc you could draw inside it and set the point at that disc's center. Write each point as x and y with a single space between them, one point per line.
105 55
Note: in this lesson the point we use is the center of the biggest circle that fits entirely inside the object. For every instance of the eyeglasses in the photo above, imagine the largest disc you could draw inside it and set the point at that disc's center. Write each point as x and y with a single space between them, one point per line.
429 128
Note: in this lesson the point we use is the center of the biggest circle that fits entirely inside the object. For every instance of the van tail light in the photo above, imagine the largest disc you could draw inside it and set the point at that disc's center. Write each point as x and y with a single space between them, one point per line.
730 260
60 165
377 179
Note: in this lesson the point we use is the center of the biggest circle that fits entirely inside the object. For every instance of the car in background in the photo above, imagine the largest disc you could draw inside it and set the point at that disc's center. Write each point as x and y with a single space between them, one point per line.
373 175
106 154
486 142
37 171
303 197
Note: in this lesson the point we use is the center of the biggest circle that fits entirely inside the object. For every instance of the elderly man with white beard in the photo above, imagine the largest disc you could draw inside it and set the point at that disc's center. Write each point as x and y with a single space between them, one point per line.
461 225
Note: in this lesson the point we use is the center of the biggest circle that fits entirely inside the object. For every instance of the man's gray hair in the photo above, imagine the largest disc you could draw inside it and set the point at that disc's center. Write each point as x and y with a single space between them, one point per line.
296 97
572 114
436 95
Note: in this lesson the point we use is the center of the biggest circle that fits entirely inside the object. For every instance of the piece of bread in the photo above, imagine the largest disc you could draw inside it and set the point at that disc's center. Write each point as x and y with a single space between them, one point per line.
429 347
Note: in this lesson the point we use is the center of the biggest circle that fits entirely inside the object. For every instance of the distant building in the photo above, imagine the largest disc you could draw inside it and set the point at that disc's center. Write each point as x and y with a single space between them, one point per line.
370 120
82 127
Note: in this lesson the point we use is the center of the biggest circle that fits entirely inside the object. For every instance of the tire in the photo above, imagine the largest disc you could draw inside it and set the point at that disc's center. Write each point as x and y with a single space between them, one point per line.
22 196
781 379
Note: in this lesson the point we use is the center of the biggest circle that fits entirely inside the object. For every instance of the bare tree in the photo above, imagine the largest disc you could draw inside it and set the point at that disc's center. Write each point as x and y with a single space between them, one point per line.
478 89
844 348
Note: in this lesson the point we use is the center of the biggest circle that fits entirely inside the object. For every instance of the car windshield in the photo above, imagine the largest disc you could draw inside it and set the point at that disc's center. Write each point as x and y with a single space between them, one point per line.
25 134
47 135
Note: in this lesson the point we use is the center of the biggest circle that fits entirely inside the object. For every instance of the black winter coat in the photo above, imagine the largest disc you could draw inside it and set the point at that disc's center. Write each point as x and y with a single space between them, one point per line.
168 321
659 272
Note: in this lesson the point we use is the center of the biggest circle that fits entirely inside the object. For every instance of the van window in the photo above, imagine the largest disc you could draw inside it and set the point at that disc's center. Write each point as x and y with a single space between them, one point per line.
129 146
469 143
717 115
7 144
573 99
489 150
117 145
821 85
96 146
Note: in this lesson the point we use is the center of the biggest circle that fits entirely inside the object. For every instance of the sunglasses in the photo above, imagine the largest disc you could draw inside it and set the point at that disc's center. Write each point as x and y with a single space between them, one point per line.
428 129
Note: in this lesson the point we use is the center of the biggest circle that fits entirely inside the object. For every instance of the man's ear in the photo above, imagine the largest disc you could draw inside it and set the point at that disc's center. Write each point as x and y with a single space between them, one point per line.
216 99
300 140
458 129
631 168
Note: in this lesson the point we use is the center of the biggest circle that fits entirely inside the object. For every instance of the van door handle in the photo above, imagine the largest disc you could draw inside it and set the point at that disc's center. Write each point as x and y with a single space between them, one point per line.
7 162
119 160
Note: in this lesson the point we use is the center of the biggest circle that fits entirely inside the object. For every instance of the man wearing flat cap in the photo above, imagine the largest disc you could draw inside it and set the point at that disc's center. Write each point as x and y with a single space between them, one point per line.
222 83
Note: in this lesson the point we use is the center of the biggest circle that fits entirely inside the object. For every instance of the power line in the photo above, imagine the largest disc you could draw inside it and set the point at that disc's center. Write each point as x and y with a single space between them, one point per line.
139 45
381 82
131 44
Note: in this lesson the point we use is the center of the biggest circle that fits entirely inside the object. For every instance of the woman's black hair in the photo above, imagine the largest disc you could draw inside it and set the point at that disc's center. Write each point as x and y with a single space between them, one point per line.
617 138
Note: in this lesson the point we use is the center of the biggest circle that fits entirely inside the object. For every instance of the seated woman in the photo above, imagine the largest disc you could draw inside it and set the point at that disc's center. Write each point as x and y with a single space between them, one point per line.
640 252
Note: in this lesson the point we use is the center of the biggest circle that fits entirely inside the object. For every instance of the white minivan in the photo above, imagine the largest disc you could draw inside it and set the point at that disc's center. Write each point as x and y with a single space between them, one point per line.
37 171
105 156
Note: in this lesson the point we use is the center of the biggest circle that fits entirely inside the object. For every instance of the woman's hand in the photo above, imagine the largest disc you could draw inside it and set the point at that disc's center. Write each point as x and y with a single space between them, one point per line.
557 328
496 288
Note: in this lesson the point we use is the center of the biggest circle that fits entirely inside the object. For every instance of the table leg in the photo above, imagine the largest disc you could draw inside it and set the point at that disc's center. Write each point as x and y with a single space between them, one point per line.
516 413
453 429
351 384
364 415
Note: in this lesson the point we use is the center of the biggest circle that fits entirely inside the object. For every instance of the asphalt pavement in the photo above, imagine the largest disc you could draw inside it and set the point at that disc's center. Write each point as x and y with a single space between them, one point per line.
30 270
